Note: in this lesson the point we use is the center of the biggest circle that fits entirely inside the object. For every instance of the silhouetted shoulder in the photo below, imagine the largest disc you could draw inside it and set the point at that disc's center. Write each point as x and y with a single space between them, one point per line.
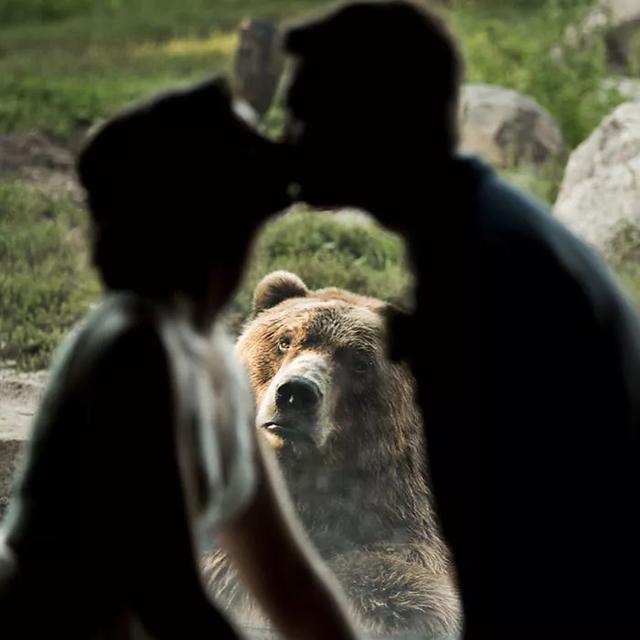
124 333
541 282
109 384
521 238
118 353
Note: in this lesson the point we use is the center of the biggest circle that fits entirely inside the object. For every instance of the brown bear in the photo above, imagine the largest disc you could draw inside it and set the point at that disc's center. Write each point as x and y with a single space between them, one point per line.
350 441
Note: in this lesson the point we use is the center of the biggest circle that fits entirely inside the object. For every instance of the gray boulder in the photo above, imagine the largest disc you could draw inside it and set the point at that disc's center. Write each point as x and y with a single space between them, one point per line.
507 128
600 194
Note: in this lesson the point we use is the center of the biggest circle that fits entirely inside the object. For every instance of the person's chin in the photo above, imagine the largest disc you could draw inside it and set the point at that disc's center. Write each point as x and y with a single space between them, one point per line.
326 196
263 201
277 203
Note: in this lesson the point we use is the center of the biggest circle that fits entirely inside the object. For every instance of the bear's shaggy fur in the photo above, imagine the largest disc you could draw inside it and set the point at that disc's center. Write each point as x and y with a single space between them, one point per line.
350 442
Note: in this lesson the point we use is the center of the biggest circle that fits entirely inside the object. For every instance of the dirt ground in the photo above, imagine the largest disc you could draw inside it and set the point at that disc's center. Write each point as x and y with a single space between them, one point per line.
20 393
34 159
19 396
39 161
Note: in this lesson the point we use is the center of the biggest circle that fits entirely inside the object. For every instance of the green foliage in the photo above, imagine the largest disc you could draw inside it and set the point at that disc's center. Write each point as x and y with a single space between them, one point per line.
542 182
346 250
45 285
511 49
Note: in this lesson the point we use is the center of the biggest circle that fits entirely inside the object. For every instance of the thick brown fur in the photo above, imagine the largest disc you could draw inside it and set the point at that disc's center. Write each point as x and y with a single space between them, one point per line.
353 459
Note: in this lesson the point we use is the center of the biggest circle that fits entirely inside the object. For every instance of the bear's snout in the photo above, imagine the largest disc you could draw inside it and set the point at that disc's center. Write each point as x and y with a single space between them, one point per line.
295 407
298 394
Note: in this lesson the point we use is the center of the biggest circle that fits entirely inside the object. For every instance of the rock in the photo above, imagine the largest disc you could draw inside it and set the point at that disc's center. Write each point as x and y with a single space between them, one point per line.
507 128
600 194
258 64
618 21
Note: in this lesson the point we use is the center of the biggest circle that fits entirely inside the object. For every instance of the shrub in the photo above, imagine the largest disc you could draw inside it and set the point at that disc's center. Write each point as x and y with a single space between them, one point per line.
346 250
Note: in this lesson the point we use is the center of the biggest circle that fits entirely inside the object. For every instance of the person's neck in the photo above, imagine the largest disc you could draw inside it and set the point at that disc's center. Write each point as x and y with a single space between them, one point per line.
198 313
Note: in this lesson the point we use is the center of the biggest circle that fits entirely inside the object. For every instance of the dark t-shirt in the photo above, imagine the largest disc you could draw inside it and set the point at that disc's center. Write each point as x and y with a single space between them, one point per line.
528 359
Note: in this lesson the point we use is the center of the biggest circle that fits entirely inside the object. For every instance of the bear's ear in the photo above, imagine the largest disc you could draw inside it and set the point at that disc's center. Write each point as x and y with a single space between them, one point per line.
276 287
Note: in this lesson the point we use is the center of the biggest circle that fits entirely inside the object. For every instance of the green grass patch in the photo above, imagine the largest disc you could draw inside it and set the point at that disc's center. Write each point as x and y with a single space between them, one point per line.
45 283
346 250
541 182
510 44
64 65
73 89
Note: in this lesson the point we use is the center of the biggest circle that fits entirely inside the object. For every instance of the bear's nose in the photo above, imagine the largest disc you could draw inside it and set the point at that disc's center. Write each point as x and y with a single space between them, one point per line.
297 394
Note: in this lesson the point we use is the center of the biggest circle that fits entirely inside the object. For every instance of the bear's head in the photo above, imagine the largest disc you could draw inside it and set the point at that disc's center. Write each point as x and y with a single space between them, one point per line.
318 365
340 413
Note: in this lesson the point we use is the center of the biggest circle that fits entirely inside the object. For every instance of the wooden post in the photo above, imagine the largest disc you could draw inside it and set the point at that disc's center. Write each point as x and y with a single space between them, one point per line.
258 64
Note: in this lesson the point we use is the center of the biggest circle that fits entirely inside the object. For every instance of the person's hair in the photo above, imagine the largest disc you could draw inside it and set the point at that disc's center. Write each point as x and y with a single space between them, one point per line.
393 53
148 176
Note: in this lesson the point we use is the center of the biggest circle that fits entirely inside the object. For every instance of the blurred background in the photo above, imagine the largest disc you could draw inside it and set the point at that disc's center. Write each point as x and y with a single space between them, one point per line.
551 99
541 77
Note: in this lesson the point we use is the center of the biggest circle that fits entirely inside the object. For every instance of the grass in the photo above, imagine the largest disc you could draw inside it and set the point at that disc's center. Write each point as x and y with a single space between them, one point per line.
45 285
64 64
346 250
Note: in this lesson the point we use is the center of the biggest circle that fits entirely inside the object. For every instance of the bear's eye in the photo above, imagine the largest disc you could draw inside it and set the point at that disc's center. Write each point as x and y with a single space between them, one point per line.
284 344
360 363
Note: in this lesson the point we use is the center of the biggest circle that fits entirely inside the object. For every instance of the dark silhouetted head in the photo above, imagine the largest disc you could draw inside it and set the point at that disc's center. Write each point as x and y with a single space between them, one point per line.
176 188
372 99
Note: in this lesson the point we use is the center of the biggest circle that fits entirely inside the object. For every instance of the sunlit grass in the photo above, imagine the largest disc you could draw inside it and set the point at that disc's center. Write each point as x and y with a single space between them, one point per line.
64 65
218 44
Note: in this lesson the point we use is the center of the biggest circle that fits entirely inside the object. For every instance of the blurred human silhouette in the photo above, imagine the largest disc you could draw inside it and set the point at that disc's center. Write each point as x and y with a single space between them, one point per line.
145 442
526 352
